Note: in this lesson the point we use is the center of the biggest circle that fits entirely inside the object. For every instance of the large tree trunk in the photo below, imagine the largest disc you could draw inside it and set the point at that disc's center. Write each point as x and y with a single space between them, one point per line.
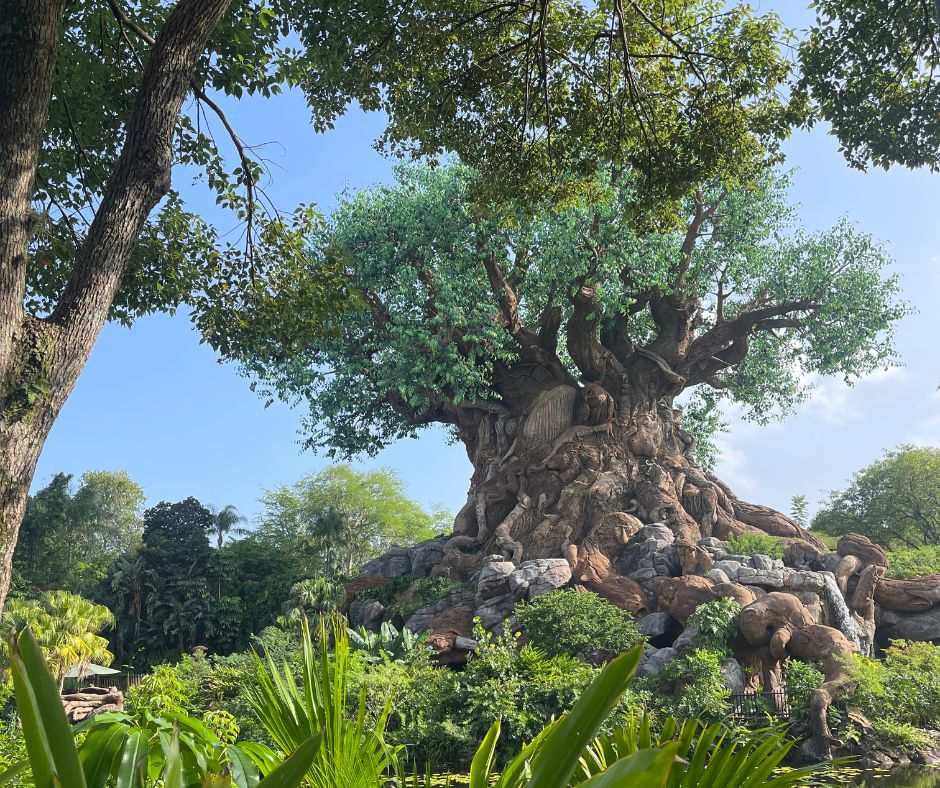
41 359
573 475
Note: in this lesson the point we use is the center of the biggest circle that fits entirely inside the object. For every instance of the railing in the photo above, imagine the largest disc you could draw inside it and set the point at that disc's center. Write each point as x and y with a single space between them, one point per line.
749 706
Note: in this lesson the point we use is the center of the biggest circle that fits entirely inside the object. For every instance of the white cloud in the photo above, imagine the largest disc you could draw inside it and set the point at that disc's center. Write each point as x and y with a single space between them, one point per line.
732 468
837 403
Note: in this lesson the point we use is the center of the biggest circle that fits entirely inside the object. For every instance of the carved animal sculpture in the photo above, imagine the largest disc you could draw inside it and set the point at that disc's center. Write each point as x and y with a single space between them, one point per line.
781 622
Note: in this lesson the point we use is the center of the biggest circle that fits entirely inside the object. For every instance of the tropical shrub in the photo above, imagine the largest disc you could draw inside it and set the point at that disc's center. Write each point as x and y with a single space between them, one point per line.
690 687
801 679
425 705
160 692
749 543
903 735
519 685
389 644
577 624
117 749
566 753
65 627
716 622
154 747
904 687
353 753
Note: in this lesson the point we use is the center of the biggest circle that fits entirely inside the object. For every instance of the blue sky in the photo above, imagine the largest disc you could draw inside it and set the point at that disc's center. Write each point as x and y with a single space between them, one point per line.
154 402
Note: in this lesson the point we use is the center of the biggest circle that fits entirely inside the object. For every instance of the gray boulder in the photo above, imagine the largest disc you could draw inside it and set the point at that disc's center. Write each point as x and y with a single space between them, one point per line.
654 659
772 579
493 580
762 562
426 555
806 581
894 625
366 613
717 576
732 675
729 567
539 576
394 562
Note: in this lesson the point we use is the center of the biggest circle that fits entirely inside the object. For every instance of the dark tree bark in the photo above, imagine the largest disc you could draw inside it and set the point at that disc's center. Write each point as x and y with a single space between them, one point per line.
41 359
574 471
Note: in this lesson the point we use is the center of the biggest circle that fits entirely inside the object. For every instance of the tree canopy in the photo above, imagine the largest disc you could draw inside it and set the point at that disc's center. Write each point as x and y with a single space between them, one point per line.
870 68
535 95
69 538
458 299
895 501
334 520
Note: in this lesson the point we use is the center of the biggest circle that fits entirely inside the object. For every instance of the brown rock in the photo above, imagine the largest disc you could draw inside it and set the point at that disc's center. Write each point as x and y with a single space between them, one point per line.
446 627
622 592
910 596
679 596
361 583
693 559
863 548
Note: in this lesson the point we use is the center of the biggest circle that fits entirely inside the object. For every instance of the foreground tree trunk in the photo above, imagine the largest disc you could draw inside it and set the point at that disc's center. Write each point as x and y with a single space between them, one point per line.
41 358
574 474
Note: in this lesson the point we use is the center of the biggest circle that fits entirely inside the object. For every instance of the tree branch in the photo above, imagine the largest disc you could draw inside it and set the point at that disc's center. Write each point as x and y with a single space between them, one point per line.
29 40
141 177
723 334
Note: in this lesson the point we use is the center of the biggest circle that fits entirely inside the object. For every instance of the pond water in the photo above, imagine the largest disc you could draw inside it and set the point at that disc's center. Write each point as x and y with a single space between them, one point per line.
901 777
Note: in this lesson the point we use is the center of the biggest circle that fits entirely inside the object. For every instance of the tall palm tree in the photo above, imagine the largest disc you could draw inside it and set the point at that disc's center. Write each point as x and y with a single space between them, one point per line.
315 596
128 582
227 522
65 626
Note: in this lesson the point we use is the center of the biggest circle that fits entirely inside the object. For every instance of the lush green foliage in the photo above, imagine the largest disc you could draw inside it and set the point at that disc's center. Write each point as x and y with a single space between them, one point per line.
133 752
904 687
681 92
895 501
335 520
423 257
389 644
70 537
749 543
576 623
312 598
692 687
518 685
716 622
712 754
801 679
871 71
353 753
917 562
65 626
681 755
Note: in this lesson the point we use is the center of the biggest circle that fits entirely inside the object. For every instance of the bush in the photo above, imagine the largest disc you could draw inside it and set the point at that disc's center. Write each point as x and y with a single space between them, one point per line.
716 622
520 685
577 624
425 704
801 679
690 687
749 543
904 687
902 735
906 564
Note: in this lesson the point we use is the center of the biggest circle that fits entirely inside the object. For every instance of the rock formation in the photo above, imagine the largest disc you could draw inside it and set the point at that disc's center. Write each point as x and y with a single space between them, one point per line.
812 604
91 701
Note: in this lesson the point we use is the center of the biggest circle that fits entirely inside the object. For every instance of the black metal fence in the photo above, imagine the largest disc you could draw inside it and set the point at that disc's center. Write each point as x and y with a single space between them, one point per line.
751 706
